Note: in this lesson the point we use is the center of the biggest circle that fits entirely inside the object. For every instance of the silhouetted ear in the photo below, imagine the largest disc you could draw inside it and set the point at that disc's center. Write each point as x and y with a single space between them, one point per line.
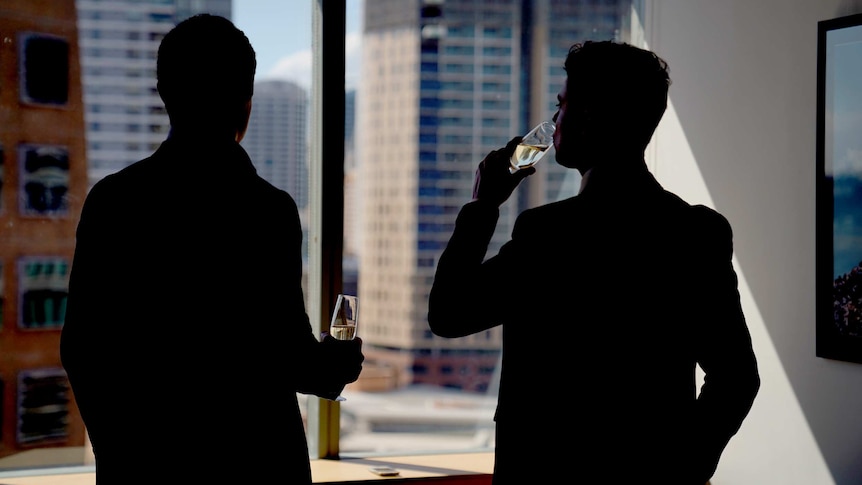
160 91
243 121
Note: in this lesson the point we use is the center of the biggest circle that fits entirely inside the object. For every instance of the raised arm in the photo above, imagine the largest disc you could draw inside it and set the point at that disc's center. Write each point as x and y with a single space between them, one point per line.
464 283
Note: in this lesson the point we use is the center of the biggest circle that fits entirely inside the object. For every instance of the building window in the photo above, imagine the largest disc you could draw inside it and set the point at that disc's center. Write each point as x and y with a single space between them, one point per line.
44 174
43 69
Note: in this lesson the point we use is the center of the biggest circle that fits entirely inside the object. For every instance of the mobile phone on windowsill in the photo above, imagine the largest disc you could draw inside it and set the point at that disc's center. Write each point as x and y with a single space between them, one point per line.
384 471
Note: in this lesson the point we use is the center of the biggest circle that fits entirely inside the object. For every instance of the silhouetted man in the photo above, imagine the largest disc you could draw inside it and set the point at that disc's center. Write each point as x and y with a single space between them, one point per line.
186 336
608 300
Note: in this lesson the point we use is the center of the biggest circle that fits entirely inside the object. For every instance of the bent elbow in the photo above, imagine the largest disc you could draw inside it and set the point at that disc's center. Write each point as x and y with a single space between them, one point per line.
754 384
747 385
442 327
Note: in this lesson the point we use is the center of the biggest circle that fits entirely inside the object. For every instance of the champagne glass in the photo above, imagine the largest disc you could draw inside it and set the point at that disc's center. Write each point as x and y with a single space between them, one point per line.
533 146
345 317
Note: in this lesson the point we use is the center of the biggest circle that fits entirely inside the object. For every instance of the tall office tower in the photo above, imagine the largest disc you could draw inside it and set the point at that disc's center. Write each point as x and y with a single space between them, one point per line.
445 82
276 136
125 117
43 177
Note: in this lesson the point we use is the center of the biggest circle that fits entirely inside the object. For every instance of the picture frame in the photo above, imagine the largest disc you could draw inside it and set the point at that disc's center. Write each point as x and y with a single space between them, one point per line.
839 189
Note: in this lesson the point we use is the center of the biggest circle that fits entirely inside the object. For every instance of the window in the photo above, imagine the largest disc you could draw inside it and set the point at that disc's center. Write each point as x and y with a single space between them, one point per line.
428 110
44 68
43 285
44 175
42 407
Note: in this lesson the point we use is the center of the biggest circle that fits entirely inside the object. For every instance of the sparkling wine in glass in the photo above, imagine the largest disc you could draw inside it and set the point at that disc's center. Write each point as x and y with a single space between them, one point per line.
345 317
533 146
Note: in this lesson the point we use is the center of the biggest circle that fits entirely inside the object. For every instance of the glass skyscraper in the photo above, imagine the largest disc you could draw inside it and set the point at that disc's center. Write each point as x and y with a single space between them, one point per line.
276 136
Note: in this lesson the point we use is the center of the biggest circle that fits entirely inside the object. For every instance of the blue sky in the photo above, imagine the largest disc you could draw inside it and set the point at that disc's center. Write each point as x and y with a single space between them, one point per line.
280 32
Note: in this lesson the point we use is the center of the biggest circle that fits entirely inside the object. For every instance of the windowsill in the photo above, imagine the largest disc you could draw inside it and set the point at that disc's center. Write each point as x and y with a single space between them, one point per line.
460 468
450 468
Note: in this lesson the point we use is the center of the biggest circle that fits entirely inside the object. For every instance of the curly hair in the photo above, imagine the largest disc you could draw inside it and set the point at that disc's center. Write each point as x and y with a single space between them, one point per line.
618 84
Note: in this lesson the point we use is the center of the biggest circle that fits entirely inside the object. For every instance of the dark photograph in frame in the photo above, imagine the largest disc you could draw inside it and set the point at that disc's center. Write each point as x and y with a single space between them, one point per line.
839 189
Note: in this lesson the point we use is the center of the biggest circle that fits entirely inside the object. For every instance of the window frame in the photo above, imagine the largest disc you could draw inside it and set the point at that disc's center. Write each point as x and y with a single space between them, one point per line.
326 202
326 199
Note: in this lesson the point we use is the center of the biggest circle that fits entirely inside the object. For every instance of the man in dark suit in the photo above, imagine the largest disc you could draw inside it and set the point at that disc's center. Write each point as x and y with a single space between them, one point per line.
186 336
608 300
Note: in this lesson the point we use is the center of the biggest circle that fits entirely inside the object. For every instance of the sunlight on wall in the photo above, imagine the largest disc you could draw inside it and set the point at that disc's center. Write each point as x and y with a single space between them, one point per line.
775 444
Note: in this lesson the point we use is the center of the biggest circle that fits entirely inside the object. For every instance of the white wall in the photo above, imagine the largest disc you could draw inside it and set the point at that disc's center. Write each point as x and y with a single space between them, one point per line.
740 137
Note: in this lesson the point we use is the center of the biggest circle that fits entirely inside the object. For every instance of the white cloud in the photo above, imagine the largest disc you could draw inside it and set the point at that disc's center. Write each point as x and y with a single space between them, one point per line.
296 67
850 163
353 59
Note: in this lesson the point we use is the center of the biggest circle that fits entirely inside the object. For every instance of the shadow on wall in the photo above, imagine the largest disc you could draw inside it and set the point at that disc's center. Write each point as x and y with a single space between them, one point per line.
849 7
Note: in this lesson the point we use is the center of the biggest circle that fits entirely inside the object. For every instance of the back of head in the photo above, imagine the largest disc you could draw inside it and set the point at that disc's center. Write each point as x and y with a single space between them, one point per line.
205 71
620 89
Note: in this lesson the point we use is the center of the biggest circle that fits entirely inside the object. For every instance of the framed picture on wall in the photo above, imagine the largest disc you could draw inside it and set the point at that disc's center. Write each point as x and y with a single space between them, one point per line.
839 189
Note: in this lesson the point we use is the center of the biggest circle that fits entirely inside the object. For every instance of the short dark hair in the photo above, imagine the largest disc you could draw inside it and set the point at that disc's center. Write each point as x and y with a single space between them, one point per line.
618 85
205 69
